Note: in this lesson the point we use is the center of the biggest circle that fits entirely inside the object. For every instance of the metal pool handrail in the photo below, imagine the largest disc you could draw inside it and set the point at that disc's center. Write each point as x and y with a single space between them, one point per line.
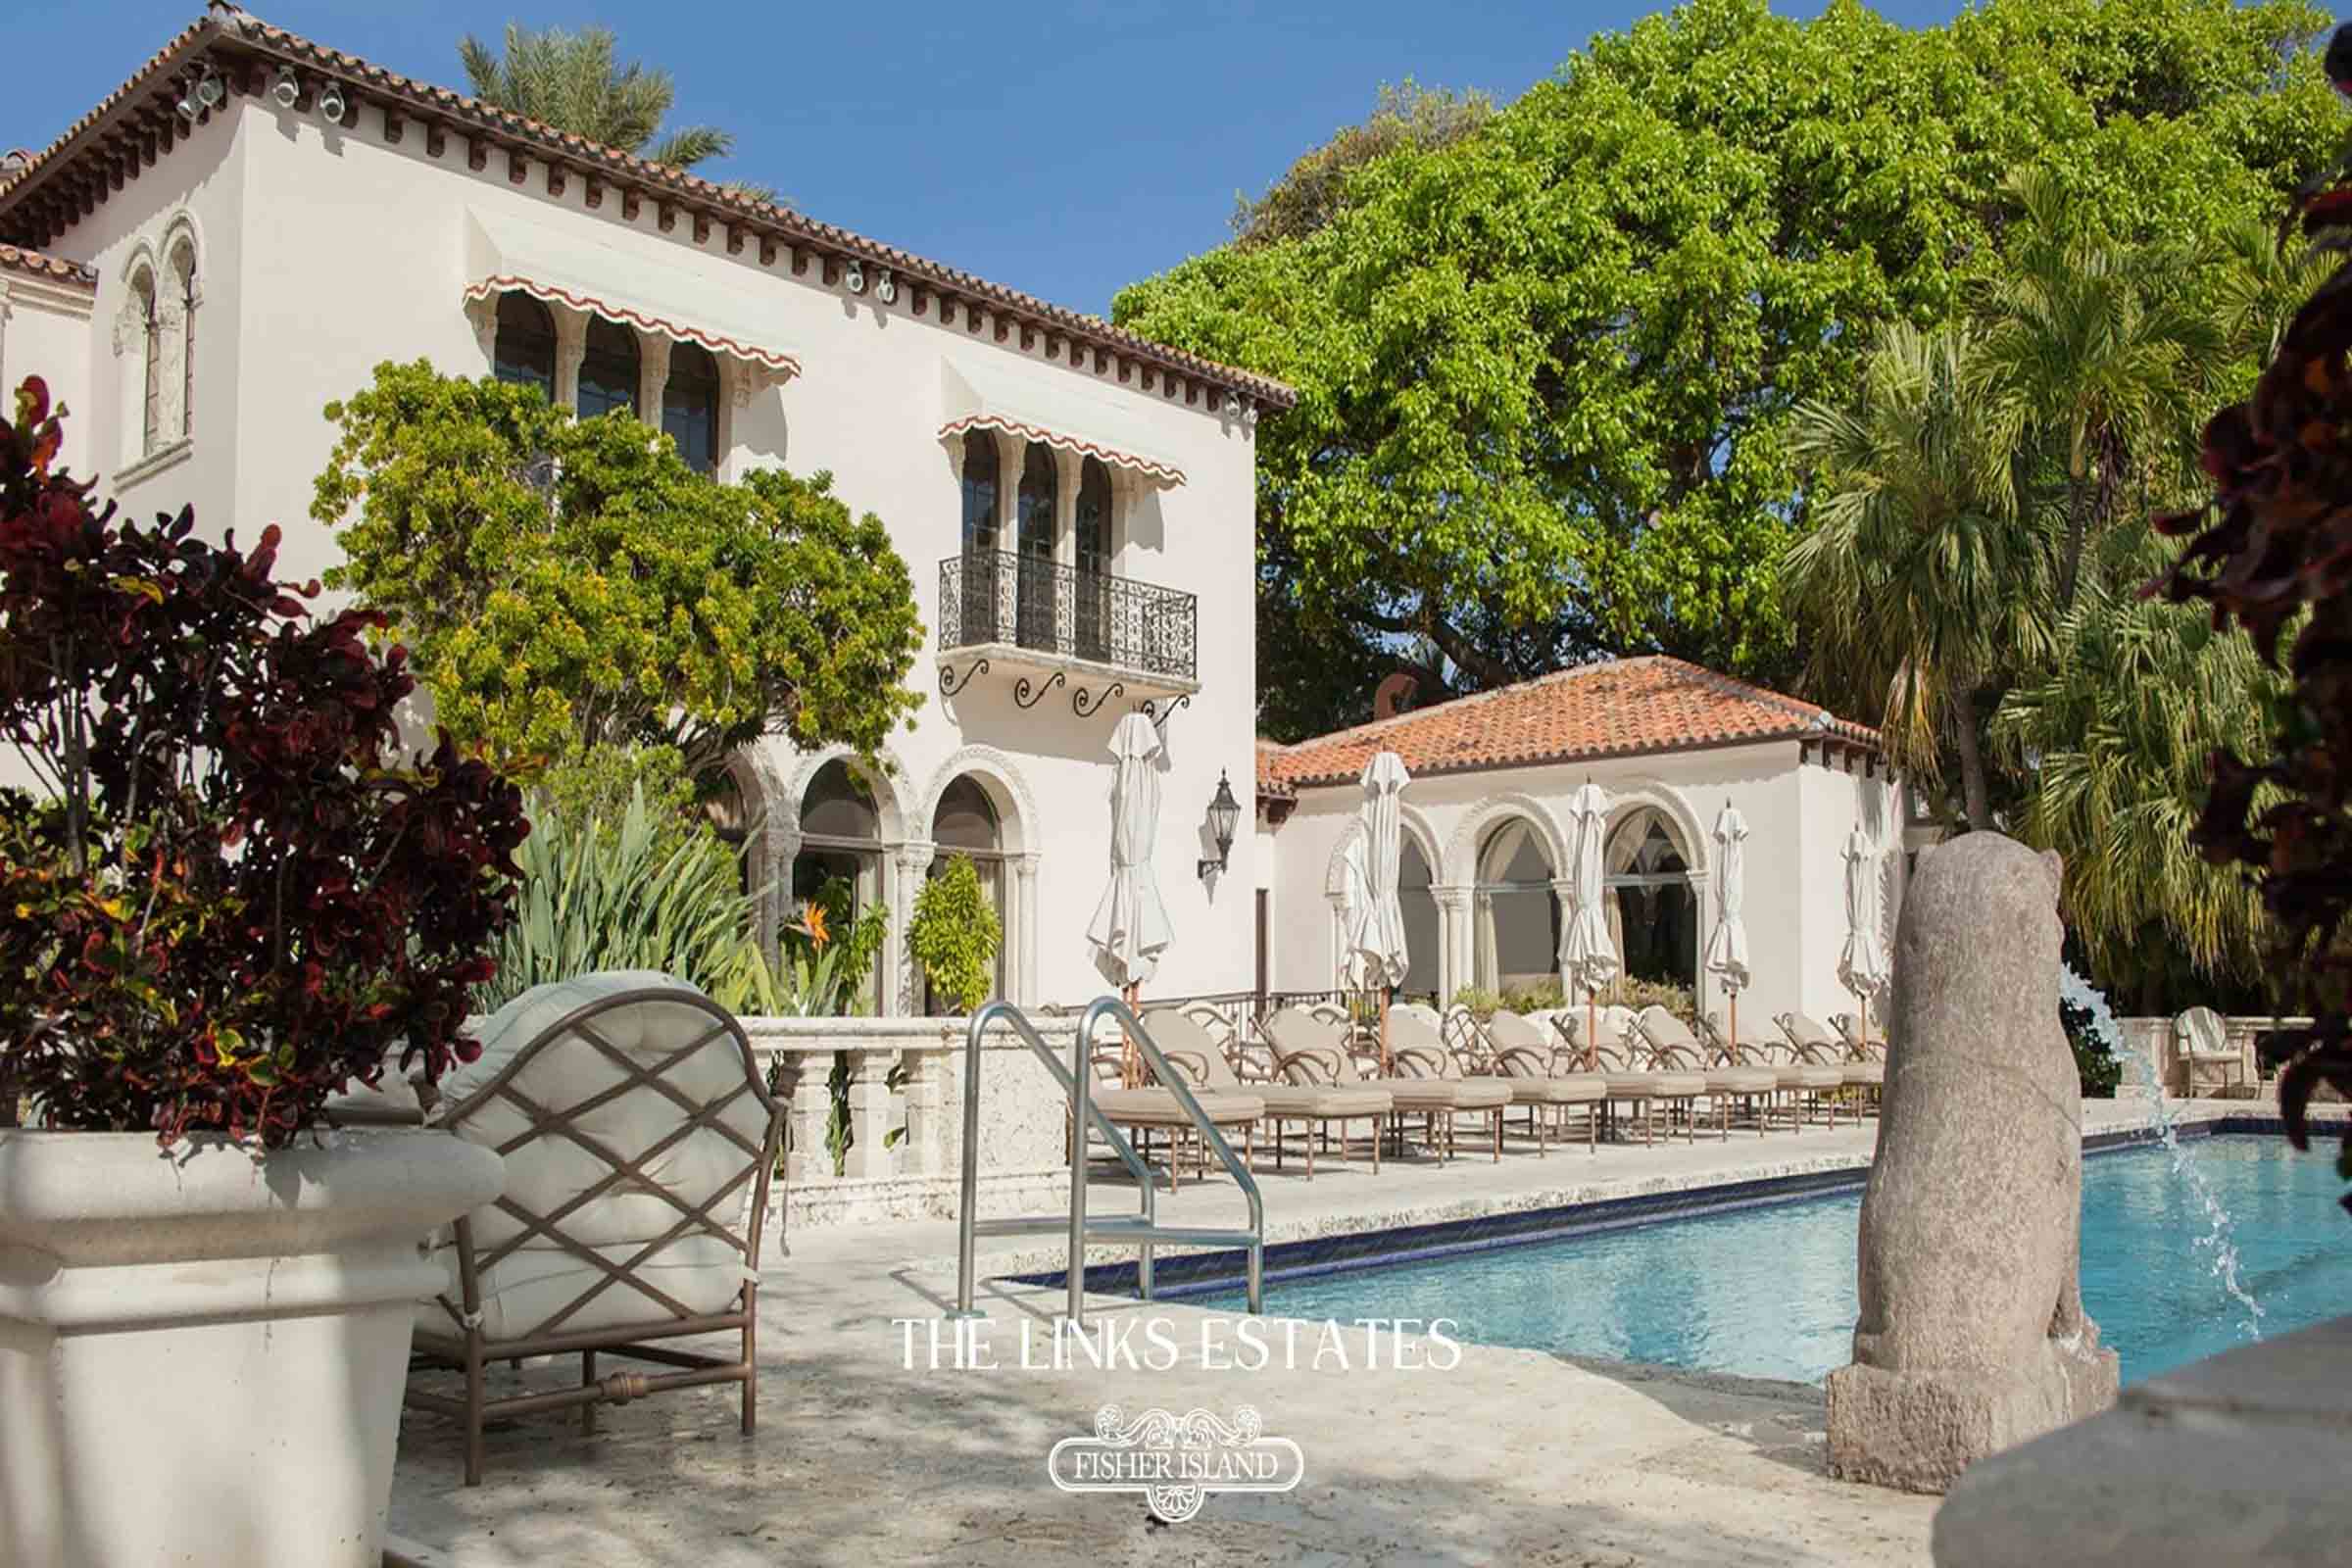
1081 1053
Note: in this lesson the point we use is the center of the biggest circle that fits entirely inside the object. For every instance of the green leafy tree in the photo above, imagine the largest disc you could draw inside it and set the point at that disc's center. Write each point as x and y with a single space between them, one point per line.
1926 575
1547 366
1314 189
955 935
568 586
573 81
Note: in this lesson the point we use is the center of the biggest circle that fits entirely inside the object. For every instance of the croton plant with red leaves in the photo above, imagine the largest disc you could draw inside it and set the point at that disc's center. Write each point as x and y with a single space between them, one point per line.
232 897
2273 552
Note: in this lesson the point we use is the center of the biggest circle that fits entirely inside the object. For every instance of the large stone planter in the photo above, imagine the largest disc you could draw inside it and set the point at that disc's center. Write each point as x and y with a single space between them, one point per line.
201 1355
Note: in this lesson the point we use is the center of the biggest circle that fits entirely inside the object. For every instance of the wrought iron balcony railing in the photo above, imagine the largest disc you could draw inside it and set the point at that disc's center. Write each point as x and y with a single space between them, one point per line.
999 597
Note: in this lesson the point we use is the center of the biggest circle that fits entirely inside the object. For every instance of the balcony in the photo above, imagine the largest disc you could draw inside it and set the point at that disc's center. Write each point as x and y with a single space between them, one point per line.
1047 625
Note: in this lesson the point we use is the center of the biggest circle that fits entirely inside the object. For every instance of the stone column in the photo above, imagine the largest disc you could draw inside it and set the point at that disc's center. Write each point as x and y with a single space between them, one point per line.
911 862
1453 904
869 1113
571 347
1022 969
1069 470
1564 889
801 1078
653 377
925 1149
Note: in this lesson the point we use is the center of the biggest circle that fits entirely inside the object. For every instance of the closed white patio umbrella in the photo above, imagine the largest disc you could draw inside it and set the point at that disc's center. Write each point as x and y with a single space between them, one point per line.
1863 965
1376 944
1129 929
1588 958
1727 949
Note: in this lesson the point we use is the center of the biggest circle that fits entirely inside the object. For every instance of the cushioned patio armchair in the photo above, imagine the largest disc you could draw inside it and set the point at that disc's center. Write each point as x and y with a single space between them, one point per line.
639 1140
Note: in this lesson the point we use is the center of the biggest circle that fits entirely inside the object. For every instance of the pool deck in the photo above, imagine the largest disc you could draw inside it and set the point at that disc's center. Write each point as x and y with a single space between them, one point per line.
1508 1456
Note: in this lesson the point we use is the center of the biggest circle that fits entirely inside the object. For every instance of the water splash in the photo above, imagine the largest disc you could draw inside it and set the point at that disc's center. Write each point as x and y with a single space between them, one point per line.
2077 991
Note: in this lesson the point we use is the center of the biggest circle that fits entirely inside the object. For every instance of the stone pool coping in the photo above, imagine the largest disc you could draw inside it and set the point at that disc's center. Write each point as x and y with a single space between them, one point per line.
1430 1206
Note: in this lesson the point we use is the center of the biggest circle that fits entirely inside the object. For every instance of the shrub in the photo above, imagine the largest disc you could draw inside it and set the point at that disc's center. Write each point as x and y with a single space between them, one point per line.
955 935
1640 994
2099 1068
1535 997
1481 1001
237 897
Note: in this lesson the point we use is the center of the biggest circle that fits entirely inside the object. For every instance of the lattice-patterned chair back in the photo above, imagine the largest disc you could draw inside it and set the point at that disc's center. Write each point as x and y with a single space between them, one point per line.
639 1139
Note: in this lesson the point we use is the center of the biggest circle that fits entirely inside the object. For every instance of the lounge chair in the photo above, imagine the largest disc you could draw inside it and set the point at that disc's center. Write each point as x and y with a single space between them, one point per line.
1315 1046
1672 1048
1815 1045
1524 1051
1152 1109
1869 1055
1418 1047
1619 1058
635 1124
1800 1080
2201 1041
1188 1038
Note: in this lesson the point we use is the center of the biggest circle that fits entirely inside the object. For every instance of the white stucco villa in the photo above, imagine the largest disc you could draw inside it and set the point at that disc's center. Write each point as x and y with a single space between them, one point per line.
1486 841
252 222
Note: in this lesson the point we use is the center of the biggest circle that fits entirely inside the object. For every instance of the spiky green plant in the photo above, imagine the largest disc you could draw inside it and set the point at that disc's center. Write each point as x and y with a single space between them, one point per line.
2116 738
634 894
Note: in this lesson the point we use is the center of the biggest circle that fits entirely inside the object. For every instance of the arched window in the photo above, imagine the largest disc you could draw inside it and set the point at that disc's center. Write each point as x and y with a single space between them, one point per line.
690 406
524 351
841 842
1420 908
1039 499
608 370
979 608
1093 560
966 825
1518 925
151 360
184 288
1654 913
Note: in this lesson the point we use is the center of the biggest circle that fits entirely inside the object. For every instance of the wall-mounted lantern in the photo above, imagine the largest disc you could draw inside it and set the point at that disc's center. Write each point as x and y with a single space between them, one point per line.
1224 815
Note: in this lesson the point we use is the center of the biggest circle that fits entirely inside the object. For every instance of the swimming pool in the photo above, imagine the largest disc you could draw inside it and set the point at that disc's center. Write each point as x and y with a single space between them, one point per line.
1769 1291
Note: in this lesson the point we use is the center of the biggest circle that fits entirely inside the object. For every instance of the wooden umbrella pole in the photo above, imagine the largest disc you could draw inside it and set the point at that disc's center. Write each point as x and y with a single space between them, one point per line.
1733 1044
1592 1028
1388 1064
1130 1069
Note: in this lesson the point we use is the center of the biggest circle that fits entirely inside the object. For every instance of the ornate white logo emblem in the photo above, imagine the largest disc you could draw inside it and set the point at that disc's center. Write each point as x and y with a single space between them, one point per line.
1175 1461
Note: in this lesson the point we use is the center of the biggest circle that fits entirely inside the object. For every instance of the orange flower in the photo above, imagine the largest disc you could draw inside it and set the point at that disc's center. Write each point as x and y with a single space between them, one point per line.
812 922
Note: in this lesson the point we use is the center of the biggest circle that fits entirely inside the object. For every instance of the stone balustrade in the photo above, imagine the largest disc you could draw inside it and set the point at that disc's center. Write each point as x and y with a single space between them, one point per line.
905 1117
2242 1032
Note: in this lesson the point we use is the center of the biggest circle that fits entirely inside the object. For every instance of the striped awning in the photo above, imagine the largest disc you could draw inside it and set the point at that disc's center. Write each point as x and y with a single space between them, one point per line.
1061 408
504 250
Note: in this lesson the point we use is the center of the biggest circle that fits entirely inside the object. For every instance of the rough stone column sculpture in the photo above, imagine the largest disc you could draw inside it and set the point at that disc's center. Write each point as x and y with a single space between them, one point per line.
1972 1336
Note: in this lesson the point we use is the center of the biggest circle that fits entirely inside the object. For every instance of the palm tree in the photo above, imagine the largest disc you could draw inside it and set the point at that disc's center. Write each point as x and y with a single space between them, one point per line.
569 80
2117 732
2095 351
1926 580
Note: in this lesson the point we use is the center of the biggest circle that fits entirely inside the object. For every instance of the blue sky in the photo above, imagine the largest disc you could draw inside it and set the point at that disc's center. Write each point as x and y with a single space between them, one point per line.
1064 147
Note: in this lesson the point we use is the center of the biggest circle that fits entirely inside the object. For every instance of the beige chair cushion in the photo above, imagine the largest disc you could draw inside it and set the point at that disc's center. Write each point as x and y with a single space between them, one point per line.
1655 1085
1568 1089
1158 1108
1742 1080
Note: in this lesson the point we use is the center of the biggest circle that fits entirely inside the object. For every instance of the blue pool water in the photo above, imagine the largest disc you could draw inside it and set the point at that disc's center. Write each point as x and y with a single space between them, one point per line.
1769 1292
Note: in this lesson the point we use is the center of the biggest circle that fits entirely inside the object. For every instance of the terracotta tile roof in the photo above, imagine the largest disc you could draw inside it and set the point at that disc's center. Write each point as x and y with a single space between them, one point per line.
1625 707
226 23
17 258
1269 787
